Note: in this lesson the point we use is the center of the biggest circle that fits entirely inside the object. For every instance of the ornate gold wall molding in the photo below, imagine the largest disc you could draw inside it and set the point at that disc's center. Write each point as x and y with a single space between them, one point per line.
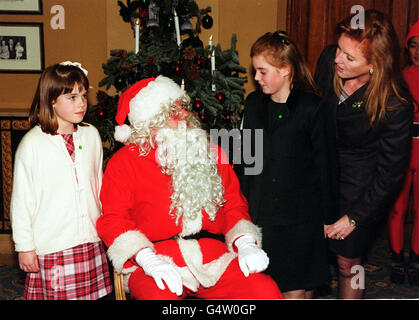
7 175
7 126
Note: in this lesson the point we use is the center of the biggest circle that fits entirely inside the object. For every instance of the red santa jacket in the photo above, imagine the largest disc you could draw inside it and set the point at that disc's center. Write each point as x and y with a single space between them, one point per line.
135 198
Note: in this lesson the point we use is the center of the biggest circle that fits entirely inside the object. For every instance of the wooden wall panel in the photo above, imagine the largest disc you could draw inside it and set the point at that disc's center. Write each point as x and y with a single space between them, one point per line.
311 23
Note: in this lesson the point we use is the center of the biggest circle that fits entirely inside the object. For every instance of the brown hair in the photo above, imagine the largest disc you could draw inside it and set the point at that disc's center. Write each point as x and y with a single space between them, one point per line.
381 49
279 50
54 81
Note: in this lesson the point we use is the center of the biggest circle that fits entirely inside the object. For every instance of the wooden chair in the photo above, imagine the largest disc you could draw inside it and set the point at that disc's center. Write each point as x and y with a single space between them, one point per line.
119 286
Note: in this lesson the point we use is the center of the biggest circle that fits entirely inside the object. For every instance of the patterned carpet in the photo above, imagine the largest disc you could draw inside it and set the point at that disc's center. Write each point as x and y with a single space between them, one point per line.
377 274
12 282
377 283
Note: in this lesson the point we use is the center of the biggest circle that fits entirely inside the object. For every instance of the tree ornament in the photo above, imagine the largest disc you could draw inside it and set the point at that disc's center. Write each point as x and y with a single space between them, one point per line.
178 68
197 105
153 16
201 62
99 113
188 63
120 83
220 96
207 21
189 53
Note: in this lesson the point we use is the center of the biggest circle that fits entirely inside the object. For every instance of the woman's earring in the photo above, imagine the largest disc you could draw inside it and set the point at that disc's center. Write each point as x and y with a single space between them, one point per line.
371 71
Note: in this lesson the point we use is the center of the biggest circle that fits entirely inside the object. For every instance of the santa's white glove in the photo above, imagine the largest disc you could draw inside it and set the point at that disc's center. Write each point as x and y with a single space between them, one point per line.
252 259
160 270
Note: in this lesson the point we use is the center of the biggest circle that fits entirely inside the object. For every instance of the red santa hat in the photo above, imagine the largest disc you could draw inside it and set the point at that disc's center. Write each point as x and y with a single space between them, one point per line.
413 32
142 101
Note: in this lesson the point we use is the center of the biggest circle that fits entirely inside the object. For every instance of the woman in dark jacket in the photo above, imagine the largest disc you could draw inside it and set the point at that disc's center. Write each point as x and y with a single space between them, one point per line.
293 197
371 106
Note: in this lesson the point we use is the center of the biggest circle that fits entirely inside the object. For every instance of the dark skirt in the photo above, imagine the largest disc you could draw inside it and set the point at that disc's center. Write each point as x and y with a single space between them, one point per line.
356 244
297 255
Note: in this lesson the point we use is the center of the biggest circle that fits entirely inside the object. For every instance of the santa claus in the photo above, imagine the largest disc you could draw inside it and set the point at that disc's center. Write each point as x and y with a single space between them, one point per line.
174 219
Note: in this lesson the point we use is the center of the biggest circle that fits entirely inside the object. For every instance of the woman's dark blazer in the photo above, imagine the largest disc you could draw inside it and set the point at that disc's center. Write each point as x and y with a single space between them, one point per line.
372 160
298 182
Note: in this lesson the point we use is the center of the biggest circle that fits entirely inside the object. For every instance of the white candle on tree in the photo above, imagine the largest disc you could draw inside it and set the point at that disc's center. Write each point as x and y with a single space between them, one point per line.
213 88
213 61
137 35
177 29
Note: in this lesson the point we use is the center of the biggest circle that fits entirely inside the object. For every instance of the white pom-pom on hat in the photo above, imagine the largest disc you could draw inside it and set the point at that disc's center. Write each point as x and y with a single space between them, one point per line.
122 133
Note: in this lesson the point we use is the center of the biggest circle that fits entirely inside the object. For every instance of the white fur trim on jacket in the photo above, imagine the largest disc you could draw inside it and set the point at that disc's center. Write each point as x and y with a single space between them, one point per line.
125 246
241 228
188 279
209 273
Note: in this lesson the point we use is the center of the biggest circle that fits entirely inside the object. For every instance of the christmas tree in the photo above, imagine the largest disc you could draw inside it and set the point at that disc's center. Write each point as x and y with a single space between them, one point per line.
212 77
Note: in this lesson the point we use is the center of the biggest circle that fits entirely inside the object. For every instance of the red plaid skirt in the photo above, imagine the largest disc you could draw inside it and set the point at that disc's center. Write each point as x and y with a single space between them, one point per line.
79 273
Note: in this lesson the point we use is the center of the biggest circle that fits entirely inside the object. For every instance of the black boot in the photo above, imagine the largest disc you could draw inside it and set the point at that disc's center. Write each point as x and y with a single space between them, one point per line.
398 267
413 269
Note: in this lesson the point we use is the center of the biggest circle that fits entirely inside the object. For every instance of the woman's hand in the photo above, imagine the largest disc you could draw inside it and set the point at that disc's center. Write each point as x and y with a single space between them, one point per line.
325 230
340 229
28 261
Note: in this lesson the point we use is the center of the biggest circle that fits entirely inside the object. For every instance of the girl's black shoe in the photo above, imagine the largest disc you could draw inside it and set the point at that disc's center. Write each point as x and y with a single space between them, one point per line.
413 269
398 267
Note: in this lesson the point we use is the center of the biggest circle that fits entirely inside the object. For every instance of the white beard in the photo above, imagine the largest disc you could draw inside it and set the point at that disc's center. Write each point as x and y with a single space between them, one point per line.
185 154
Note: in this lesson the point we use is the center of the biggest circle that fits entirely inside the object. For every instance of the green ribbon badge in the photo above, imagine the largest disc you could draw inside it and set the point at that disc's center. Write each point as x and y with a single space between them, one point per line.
357 104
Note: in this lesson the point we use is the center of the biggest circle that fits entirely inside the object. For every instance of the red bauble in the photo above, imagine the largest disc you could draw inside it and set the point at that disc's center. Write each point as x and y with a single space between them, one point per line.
220 96
197 104
99 113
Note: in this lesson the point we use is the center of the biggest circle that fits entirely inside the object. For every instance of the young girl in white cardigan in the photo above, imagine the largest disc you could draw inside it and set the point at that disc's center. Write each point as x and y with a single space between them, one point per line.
55 198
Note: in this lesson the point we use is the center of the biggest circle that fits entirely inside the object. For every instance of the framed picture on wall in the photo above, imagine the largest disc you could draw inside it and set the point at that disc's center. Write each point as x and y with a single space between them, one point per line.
21 47
20 6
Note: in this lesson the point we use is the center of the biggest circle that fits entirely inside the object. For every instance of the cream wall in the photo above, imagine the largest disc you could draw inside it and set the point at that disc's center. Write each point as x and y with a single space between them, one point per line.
93 29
